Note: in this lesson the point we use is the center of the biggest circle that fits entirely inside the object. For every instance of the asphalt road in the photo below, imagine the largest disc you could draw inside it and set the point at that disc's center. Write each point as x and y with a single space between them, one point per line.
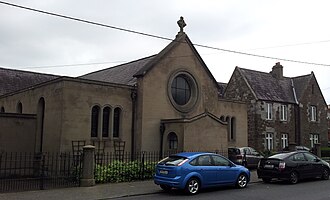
306 190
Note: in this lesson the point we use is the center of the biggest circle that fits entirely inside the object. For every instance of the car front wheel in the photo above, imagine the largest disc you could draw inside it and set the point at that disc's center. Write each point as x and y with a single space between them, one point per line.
242 181
325 174
193 186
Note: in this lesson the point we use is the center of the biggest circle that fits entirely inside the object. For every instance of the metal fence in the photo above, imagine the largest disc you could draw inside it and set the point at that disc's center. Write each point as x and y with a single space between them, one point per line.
33 171
125 167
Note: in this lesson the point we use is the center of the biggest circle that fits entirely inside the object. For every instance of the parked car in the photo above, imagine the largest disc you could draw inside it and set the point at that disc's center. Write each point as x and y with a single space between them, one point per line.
293 166
193 171
246 156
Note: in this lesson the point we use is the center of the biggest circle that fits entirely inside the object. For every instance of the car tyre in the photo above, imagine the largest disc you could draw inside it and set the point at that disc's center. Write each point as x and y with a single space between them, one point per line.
266 180
242 181
293 179
325 174
192 186
165 187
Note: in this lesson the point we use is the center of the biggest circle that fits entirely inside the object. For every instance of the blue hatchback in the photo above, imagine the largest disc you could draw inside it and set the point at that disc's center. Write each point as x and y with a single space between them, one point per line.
192 171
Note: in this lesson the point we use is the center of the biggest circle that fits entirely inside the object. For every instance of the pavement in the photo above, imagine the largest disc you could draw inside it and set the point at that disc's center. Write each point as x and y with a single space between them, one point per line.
97 192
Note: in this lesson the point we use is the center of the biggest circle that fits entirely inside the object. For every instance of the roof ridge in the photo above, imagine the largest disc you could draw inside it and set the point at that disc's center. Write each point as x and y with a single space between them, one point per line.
30 72
120 65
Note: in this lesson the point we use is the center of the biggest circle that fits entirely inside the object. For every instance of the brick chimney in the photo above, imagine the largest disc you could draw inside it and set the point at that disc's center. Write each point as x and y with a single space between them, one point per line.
277 71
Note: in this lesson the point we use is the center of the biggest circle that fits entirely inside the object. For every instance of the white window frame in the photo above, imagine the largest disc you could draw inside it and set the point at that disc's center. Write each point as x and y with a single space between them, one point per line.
284 113
269 141
314 139
284 140
269 111
313 113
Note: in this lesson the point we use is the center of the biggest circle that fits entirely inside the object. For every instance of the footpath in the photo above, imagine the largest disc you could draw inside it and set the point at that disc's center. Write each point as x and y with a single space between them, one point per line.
97 192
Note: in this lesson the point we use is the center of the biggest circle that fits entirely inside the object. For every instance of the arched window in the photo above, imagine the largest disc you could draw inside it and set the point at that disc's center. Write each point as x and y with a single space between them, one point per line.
19 107
95 121
232 128
116 122
106 122
2 109
40 124
172 141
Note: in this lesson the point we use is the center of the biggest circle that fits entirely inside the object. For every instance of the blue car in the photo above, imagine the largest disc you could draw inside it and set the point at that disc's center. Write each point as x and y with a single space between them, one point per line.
192 171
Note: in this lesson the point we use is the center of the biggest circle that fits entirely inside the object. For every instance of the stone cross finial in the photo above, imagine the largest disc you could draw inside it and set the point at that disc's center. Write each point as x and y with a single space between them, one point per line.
181 24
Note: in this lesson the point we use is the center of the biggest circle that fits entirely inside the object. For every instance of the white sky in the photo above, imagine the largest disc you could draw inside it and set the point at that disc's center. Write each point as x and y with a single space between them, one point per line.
296 30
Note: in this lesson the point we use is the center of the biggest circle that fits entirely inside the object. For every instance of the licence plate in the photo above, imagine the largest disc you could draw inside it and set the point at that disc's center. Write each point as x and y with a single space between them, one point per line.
269 166
163 172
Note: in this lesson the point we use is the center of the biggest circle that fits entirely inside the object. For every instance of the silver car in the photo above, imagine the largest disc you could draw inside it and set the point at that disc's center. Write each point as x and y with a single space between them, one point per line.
246 156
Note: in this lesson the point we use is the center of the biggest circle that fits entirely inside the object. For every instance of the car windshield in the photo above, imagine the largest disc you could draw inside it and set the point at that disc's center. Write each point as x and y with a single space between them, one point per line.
172 160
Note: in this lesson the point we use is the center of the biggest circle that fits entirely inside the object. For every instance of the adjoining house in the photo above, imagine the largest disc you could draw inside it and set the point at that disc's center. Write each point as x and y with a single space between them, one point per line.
281 110
168 101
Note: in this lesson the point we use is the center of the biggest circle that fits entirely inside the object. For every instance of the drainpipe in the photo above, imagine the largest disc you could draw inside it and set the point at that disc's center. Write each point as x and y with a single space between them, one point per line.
133 97
297 115
161 130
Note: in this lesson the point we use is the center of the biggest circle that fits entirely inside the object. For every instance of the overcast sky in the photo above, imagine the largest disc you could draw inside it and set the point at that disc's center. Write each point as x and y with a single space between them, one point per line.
295 30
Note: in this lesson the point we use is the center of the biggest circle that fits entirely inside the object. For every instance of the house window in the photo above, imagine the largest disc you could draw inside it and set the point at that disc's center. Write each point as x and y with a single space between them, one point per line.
2 109
181 90
95 121
116 122
314 139
106 122
232 129
284 140
172 141
313 113
269 141
19 107
269 111
284 113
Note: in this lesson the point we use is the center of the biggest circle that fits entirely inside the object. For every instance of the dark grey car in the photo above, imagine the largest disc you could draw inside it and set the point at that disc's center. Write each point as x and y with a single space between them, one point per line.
245 156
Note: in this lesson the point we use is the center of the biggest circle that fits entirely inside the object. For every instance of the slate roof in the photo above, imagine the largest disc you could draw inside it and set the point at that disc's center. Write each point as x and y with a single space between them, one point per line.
121 74
127 73
13 80
222 88
300 84
266 87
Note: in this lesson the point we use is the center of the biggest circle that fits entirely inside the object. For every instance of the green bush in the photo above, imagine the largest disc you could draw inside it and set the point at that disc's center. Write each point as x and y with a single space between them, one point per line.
124 171
325 151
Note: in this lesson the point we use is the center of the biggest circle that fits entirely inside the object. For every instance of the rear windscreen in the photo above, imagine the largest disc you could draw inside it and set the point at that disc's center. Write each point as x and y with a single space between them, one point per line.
172 160
233 151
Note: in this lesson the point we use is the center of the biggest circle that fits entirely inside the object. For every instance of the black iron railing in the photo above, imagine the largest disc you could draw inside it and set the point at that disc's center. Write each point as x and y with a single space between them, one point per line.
33 171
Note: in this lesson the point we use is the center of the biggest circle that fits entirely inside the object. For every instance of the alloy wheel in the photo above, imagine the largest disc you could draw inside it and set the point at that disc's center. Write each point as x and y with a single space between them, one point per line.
242 181
192 186
293 177
325 174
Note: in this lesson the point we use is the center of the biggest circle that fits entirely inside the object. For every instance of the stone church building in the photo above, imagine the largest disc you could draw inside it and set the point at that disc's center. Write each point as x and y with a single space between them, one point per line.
168 101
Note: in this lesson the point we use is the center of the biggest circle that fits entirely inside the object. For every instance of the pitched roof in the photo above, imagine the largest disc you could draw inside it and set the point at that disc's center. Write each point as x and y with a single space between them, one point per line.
13 80
127 73
121 74
266 87
300 84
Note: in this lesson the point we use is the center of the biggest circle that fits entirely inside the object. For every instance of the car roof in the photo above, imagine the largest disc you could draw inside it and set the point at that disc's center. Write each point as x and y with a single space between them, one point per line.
192 154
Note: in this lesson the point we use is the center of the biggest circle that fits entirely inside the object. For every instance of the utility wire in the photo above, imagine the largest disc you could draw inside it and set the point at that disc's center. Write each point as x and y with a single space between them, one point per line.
158 37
